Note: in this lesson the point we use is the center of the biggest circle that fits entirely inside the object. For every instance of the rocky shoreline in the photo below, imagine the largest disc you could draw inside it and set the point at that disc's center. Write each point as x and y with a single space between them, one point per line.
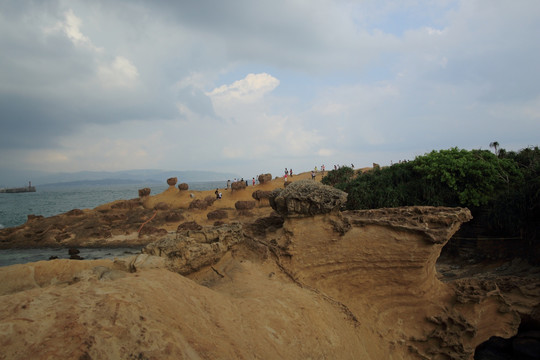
263 270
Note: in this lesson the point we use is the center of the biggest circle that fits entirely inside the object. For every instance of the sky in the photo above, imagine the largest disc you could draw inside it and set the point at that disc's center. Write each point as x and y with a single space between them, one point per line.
251 87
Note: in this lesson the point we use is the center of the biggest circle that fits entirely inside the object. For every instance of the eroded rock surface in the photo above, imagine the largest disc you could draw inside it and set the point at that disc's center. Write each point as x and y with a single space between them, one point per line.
307 198
306 281
191 250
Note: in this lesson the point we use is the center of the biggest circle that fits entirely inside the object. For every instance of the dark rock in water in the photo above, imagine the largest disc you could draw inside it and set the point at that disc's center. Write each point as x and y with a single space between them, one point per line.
307 198
53 257
74 254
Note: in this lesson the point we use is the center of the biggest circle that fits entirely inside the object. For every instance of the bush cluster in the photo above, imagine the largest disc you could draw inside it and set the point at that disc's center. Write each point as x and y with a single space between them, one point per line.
502 187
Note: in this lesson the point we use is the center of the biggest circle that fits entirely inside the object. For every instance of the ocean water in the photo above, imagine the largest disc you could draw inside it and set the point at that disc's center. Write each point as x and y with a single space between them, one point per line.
54 200
22 256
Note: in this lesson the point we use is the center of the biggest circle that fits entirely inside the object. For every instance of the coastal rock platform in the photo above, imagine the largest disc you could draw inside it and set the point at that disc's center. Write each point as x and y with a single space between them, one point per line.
327 284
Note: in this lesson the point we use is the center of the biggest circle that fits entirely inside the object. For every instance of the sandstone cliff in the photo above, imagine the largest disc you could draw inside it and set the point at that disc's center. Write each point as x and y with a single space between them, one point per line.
312 282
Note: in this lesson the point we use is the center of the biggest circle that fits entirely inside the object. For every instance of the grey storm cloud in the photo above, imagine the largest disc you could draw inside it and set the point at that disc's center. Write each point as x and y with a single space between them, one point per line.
105 84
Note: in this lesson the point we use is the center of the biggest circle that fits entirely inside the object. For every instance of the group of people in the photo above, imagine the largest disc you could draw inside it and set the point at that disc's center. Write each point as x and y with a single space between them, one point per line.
288 172
253 182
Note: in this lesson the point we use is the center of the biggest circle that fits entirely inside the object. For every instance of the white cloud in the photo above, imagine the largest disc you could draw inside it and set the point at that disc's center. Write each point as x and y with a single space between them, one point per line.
249 89
71 27
121 73
343 80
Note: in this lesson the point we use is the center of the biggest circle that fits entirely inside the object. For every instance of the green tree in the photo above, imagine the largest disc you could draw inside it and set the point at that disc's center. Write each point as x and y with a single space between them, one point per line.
475 176
338 178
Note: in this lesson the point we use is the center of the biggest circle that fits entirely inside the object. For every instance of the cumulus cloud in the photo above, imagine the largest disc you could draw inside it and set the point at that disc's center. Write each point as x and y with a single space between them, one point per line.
360 82
70 26
121 73
249 89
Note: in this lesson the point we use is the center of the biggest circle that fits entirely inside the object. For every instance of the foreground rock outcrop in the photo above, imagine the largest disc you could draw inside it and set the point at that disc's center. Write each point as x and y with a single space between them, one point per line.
307 198
305 281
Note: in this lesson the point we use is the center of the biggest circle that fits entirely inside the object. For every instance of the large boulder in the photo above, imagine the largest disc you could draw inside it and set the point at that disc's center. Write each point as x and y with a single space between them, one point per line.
238 185
265 178
244 205
183 186
307 198
192 250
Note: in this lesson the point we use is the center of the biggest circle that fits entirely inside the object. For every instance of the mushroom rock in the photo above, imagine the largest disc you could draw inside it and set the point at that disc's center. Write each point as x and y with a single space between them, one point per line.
172 181
238 185
307 198
183 186
265 178
144 192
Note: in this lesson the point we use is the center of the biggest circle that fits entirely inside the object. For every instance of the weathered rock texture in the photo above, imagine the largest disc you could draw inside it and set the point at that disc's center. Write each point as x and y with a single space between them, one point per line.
183 186
144 192
265 178
172 181
238 185
307 198
244 205
304 282
193 249
218 214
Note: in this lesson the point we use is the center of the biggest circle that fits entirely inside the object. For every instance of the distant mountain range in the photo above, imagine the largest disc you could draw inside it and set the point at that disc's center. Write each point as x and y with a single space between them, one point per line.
146 176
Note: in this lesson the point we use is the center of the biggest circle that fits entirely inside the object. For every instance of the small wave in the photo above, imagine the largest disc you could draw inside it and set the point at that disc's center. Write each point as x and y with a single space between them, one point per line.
1 226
